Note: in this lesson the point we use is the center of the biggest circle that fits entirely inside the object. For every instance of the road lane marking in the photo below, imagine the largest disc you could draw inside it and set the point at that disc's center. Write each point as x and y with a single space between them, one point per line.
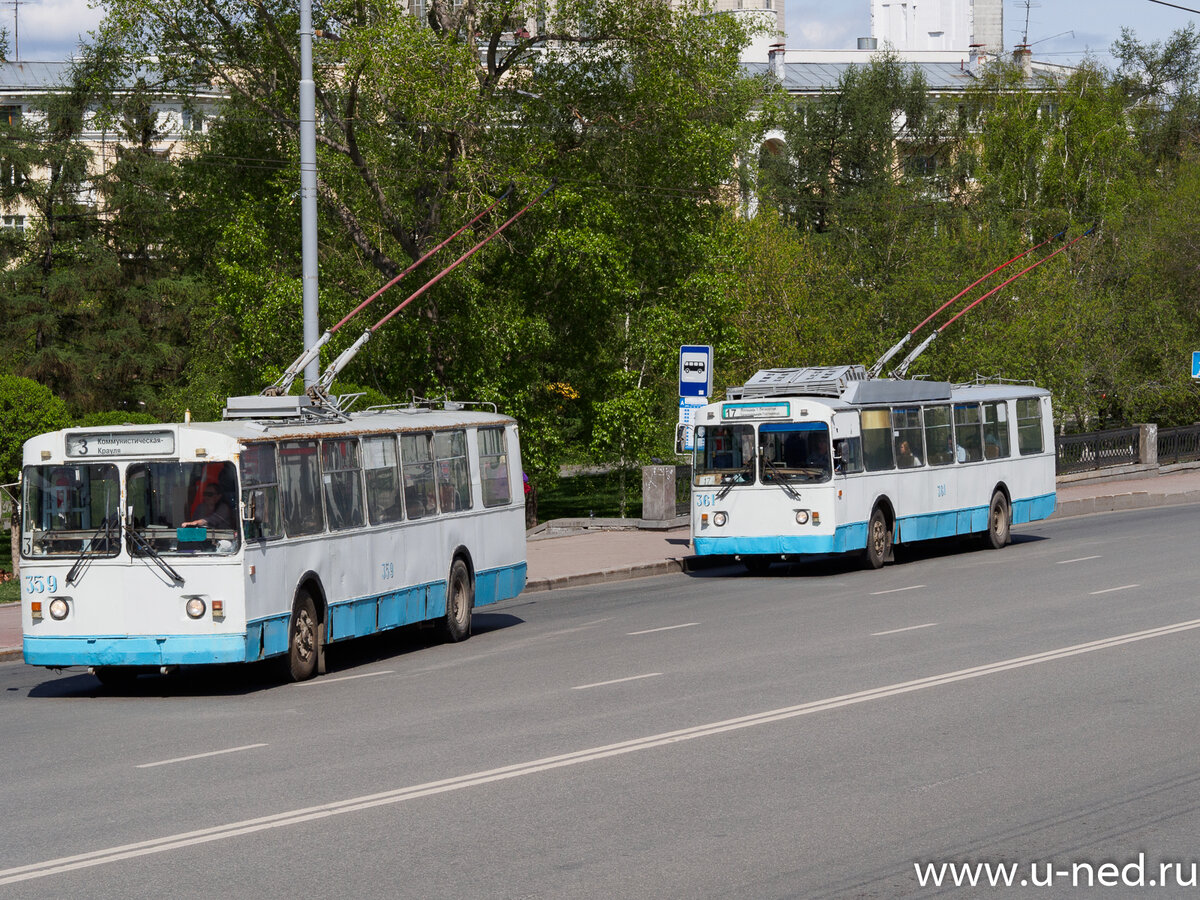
664 628
179 841
179 759
1123 587
898 630
584 687
316 681
1063 562
912 587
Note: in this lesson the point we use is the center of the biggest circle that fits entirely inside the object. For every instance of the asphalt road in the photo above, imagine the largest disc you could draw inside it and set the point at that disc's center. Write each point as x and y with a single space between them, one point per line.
810 733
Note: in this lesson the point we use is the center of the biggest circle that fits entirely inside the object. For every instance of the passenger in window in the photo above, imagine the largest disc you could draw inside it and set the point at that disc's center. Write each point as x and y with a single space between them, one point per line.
905 456
213 511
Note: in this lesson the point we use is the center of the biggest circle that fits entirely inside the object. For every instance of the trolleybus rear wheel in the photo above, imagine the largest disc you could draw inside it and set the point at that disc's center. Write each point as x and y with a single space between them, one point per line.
999 521
303 639
460 601
879 540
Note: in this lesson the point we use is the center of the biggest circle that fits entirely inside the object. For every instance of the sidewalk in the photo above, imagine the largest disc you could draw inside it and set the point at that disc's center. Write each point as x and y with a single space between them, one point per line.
603 556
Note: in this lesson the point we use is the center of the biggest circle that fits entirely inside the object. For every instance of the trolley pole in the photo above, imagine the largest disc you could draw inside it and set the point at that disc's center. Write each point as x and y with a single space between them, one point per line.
308 190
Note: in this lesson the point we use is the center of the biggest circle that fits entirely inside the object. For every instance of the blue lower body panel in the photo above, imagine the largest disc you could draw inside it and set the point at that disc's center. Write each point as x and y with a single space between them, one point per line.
162 650
846 537
269 637
928 526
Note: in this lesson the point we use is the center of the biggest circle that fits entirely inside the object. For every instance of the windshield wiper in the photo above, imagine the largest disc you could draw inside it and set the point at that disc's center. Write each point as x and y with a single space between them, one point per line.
779 479
732 479
144 546
105 528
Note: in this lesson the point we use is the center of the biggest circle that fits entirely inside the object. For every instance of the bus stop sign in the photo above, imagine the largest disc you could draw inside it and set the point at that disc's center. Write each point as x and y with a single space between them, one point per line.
1196 364
695 371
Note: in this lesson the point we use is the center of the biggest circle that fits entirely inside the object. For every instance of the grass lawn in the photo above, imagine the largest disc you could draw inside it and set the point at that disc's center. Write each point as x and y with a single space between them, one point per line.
584 495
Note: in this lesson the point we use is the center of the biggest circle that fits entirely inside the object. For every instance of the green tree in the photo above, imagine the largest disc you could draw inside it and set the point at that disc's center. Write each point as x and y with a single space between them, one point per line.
27 409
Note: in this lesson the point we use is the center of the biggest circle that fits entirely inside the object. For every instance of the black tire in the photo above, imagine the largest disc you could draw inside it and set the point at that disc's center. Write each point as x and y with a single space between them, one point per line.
879 540
116 676
460 601
304 640
999 522
757 565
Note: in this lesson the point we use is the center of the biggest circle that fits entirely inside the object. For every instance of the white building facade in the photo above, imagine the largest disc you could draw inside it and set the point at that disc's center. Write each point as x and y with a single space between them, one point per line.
946 25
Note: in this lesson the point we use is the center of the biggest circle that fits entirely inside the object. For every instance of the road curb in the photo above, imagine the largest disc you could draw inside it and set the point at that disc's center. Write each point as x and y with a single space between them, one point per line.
15 653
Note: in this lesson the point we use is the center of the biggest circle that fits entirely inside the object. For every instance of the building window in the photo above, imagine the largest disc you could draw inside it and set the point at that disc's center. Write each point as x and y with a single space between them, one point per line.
920 166
10 115
193 121
14 223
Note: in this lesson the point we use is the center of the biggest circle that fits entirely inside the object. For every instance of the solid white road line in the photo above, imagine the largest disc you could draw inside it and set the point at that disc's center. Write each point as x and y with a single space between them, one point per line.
898 630
1123 587
1063 562
897 590
518 770
584 687
179 759
665 628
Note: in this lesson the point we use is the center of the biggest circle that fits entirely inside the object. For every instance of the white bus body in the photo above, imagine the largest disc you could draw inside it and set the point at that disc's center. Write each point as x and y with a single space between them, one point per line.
819 461
372 519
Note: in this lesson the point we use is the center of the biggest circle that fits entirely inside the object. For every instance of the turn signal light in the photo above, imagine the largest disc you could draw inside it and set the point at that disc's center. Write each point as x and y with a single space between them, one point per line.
35 607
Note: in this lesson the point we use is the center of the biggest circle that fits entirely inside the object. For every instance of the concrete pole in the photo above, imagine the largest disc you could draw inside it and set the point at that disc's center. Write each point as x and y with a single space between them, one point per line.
308 190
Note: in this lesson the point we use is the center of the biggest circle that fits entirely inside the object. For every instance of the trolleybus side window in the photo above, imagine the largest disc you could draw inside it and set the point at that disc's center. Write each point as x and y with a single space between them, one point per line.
939 436
67 509
797 451
453 474
967 435
380 465
995 430
877 439
909 436
724 455
260 493
493 467
342 476
1029 426
300 484
416 459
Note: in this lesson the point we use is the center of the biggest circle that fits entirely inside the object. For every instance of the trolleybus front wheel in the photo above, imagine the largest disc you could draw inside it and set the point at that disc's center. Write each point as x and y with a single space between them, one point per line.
999 521
303 639
460 601
879 540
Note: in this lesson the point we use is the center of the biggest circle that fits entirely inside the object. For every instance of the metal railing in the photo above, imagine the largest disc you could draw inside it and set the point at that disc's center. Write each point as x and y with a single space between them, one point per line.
1176 445
1097 450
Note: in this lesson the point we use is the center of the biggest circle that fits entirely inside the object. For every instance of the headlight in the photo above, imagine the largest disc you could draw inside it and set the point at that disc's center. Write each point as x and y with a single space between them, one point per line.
720 519
195 608
59 608
802 517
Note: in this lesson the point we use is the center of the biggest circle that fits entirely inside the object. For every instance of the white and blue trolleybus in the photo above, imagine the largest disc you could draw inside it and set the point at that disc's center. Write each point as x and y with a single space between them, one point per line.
826 460
282 528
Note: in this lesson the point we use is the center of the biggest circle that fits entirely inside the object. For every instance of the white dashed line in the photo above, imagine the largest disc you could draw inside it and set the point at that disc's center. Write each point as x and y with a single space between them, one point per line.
665 628
584 687
1123 587
898 630
179 759
897 590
